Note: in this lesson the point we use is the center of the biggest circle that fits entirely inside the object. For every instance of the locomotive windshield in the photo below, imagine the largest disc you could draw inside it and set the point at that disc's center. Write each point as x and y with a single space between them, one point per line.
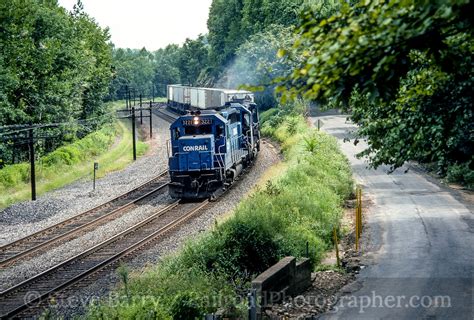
194 130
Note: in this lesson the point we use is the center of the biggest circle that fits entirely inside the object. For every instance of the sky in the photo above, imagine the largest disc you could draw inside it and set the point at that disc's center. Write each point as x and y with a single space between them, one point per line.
152 24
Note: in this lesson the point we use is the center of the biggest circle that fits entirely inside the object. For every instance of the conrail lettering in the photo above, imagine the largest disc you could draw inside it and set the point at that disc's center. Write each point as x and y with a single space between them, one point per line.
195 148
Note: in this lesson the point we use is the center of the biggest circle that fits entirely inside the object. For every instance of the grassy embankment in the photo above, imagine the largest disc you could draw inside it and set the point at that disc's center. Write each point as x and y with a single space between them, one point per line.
301 204
110 146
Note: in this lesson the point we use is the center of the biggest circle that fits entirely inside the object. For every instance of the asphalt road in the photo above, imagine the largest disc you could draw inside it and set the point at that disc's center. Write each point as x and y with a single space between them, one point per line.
419 259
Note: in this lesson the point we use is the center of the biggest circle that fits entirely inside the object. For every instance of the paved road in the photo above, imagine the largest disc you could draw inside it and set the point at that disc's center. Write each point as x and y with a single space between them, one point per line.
420 261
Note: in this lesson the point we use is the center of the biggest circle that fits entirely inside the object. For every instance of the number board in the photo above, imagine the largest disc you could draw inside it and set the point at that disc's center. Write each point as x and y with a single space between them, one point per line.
192 122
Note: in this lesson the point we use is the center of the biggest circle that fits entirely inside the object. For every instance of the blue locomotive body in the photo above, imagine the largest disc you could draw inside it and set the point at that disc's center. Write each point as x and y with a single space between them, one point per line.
210 149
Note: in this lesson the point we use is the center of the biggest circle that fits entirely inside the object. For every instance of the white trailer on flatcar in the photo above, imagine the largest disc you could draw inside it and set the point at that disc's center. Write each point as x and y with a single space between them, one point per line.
182 98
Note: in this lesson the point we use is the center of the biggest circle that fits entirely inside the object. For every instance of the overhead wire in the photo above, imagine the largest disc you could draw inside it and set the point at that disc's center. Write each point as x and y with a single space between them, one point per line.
83 122
53 125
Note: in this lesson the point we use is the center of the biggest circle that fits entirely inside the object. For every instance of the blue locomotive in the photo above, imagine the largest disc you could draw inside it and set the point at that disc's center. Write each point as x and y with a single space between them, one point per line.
211 147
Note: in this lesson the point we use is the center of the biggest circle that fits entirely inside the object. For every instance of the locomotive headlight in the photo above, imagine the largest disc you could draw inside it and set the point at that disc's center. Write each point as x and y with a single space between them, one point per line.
196 120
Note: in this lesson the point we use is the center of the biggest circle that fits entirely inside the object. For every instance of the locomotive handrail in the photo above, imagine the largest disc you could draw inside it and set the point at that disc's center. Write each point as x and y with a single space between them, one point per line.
168 147
221 171
221 155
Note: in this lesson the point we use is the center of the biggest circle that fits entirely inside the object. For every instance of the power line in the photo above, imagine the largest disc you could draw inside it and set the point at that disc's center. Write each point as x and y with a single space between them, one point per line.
25 128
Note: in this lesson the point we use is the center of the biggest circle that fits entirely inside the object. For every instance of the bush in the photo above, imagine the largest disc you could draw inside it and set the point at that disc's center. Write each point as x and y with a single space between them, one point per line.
14 174
185 306
92 145
245 247
461 173
144 308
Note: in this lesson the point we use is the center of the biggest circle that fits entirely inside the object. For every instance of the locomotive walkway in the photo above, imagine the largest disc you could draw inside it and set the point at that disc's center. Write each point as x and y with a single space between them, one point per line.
420 259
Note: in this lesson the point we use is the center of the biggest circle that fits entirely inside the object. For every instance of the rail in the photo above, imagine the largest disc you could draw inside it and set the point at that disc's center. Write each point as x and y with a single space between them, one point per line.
68 228
14 300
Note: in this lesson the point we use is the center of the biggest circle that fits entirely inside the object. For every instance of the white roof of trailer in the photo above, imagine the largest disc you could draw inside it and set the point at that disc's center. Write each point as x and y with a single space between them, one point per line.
228 91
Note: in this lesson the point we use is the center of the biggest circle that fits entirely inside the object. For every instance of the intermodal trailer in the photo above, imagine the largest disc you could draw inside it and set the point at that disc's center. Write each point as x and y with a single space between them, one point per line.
182 98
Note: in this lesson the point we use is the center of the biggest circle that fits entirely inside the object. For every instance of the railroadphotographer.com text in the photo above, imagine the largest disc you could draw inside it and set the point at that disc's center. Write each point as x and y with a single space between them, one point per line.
364 302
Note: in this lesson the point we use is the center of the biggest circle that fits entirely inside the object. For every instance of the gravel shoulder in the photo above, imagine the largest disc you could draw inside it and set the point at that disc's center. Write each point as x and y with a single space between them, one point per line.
24 218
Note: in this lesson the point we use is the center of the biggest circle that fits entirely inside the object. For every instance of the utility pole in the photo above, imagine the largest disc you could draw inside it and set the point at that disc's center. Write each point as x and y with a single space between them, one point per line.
32 165
151 123
141 110
127 96
133 135
129 100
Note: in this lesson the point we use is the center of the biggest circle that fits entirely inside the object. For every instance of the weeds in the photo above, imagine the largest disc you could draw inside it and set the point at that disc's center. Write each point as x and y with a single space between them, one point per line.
461 173
122 271
310 144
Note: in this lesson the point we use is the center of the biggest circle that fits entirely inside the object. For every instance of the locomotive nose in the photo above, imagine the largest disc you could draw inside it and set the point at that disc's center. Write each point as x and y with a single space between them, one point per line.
196 152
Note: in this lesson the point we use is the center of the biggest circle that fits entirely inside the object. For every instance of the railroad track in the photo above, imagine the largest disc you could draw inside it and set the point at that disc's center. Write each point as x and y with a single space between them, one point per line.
30 293
78 224
165 115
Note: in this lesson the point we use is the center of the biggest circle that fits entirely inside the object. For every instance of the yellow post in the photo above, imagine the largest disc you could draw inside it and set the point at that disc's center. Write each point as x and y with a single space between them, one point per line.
360 211
357 220
337 247
358 216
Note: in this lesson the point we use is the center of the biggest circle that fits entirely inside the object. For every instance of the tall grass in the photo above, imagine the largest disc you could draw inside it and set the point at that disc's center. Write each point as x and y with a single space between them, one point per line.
110 146
300 206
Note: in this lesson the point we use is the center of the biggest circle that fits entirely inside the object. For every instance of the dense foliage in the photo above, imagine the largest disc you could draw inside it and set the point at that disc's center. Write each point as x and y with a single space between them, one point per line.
406 69
231 23
146 73
132 69
54 67
256 64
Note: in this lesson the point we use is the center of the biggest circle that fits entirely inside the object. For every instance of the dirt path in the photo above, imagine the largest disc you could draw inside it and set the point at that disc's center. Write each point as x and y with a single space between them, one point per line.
419 260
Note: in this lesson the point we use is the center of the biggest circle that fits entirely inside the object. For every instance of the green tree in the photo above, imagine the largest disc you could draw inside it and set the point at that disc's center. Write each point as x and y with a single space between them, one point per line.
95 50
256 63
231 23
54 66
166 68
193 58
133 69
408 68
225 30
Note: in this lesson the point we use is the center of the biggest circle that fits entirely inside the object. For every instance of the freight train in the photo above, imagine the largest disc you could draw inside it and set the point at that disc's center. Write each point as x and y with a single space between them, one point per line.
184 98
213 142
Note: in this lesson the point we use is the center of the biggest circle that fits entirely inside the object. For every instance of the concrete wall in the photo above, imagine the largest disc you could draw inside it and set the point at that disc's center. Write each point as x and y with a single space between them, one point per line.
285 278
